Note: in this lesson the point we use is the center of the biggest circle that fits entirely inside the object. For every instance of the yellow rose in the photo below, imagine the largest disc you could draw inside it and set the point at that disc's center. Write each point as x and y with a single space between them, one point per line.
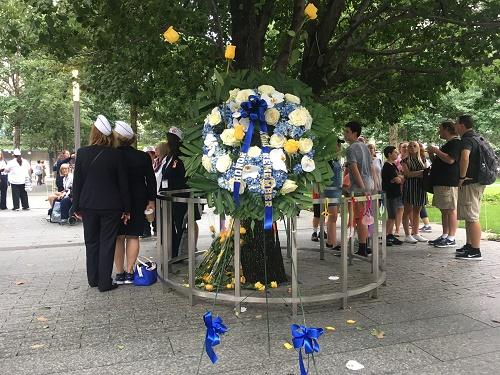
291 146
288 187
223 163
243 280
292 99
207 163
272 116
209 287
171 35
274 284
242 230
229 286
228 137
305 145
259 286
266 89
239 132
230 52
277 141
311 11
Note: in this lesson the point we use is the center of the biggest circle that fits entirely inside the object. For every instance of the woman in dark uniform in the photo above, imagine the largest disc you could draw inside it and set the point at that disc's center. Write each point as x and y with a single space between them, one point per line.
142 186
101 199
174 178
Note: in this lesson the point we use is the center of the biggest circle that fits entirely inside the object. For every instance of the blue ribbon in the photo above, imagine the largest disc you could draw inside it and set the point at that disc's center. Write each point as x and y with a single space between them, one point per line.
254 109
306 338
215 327
268 174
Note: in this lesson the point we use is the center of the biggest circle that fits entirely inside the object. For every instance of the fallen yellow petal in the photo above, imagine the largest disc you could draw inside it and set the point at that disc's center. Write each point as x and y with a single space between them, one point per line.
288 346
350 321
330 328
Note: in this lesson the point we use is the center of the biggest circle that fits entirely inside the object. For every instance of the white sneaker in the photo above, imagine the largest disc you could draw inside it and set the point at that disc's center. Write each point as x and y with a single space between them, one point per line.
410 239
419 238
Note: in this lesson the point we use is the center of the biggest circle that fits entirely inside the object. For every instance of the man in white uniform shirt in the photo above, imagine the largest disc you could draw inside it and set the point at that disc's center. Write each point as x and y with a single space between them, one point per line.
18 170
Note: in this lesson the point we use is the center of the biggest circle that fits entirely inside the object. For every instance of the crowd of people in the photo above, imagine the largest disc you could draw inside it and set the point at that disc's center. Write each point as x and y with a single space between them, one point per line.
450 172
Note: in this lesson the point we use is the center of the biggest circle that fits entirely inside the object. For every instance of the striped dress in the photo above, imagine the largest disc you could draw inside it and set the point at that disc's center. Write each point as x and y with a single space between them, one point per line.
413 192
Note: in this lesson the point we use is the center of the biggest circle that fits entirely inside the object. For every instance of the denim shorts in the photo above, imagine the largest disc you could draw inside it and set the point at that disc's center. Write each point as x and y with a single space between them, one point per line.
392 205
333 193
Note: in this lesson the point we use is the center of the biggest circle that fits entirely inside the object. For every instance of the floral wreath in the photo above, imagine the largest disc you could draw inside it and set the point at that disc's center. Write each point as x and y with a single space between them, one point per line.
286 143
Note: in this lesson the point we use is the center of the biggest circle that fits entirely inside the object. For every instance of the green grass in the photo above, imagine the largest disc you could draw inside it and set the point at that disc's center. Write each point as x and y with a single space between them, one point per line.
490 210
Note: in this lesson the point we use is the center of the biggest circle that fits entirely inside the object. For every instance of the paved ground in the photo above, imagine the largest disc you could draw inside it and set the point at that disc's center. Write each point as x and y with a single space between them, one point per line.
439 315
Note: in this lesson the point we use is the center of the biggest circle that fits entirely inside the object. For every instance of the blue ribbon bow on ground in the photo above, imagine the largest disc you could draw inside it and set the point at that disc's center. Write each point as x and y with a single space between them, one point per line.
215 327
306 338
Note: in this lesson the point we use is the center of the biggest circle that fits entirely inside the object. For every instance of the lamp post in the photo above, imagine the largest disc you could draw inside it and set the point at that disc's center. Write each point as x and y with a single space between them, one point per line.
76 108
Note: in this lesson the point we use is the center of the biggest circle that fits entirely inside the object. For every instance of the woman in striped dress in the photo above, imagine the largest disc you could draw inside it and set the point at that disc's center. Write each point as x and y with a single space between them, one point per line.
414 195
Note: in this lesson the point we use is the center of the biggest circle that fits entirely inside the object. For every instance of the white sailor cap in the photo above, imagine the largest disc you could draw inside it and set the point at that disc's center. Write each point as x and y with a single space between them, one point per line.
124 129
102 124
17 152
176 131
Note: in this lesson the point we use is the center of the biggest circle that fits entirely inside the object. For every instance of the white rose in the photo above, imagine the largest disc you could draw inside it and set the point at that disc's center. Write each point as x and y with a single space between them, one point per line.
223 163
272 116
232 94
228 138
243 95
305 145
210 140
250 171
307 164
277 97
231 185
254 151
266 89
207 163
277 141
278 158
214 117
288 187
292 99
300 117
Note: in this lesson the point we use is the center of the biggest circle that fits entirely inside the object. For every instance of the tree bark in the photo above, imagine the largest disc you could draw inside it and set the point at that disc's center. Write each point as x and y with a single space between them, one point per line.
253 253
134 115
249 26
393 134
17 134
287 47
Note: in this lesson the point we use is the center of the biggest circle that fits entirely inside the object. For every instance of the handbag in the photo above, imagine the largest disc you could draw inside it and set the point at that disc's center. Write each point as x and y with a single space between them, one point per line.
55 216
427 184
145 272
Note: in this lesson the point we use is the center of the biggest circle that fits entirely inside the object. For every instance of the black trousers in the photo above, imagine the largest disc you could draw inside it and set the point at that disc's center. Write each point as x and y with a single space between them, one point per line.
100 229
3 191
178 212
19 192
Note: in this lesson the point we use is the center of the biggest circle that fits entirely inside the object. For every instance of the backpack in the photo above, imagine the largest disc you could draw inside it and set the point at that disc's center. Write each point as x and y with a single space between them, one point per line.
488 162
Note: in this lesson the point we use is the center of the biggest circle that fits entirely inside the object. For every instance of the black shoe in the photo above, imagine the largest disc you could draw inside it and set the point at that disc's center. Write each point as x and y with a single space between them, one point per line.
26 208
470 254
129 278
388 241
120 278
328 245
445 242
15 209
395 241
464 248
433 242
314 237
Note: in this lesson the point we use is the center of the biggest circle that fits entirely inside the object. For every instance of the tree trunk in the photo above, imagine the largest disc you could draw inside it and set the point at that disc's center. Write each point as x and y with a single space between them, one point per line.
134 115
17 134
253 252
393 134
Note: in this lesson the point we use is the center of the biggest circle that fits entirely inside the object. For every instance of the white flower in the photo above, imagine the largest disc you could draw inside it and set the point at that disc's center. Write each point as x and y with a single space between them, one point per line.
292 99
236 115
207 163
300 117
305 145
245 121
232 94
288 187
250 171
278 158
273 99
243 95
223 163
272 116
230 184
210 140
228 138
214 117
307 164
266 89
277 141
233 106
254 151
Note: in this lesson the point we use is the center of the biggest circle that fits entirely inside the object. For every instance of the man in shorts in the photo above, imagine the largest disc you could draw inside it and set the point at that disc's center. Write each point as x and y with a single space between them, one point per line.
444 178
391 184
360 174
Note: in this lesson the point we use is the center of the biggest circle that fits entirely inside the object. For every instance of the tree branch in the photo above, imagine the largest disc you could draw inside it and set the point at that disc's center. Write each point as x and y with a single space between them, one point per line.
286 48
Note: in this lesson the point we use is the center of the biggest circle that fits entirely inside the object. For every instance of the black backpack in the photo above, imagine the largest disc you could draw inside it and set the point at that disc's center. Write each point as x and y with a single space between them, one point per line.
488 162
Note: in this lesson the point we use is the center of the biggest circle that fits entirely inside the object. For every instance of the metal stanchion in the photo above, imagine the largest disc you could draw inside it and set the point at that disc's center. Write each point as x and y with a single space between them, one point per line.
237 283
294 267
191 251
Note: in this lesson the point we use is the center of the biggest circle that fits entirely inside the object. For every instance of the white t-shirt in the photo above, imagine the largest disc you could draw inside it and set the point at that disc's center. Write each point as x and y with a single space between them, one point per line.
3 165
18 173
